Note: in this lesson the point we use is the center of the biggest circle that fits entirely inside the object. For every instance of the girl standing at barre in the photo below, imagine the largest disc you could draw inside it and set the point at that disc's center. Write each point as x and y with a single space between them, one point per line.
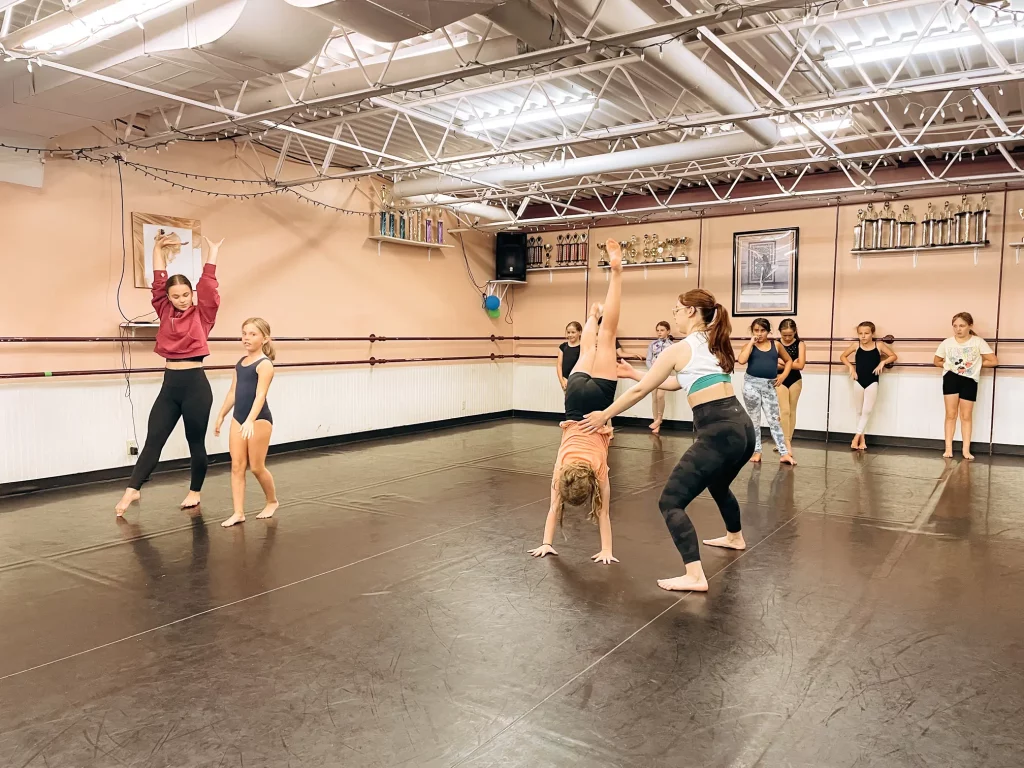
791 387
762 356
186 319
868 364
961 357
654 349
702 363
252 422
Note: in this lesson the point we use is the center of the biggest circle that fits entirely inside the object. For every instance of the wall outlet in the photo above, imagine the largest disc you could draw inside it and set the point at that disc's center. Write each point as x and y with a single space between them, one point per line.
133 448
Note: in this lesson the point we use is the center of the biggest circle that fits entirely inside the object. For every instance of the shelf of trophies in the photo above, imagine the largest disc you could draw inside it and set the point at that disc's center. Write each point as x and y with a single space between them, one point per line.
415 227
571 253
883 232
655 252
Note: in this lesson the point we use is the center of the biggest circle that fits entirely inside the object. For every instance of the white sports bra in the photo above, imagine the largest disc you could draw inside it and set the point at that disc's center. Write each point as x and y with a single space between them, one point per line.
702 362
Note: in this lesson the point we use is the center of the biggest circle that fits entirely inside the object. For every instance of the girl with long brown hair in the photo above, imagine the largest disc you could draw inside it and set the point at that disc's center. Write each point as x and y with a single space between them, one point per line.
702 363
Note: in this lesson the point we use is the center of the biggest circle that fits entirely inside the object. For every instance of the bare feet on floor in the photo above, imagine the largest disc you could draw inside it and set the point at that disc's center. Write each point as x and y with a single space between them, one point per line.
192 500
968 455
684 584
729 541
755 459
235 519
948 453
130 497
788 459
268 511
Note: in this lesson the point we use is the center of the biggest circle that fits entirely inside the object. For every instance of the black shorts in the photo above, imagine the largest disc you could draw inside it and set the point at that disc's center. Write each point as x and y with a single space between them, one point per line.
585 394
955 384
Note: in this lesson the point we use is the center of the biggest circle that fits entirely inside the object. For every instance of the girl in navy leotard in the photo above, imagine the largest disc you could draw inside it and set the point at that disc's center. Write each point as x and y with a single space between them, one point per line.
251 422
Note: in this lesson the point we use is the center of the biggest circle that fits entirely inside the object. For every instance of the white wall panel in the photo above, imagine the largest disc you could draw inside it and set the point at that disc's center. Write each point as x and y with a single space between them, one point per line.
53 427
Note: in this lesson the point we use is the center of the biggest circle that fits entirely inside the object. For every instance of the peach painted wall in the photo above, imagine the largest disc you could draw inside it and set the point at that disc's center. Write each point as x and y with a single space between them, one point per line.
306 270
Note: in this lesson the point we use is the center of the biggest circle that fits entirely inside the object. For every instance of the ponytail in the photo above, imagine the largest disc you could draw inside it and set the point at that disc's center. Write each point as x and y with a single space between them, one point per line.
719 341
268 349
716 322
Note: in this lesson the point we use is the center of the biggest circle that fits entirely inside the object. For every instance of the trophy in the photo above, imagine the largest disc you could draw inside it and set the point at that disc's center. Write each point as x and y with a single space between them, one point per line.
383 211
428 227
886 231
547 254
962 222
980 221
948 224
401 224
560 250
905 228
439 224
584 249
872 232
928 227
858 231
602 251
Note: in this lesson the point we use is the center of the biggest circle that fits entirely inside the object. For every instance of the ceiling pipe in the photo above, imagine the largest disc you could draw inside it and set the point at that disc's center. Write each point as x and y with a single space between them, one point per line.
477 211
615 162
675 60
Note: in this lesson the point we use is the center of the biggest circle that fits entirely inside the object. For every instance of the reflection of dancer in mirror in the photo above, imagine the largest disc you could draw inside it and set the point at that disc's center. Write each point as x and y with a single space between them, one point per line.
655 348
869 360
581 467
186 319
251 422
762 356
961 357
702 363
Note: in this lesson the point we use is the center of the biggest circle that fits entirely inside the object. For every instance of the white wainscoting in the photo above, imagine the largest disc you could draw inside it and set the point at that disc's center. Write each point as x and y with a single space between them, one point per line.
909 402
54 427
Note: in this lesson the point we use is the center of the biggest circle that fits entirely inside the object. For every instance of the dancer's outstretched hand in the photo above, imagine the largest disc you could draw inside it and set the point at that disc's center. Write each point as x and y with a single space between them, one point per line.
593 421
604 556
543 549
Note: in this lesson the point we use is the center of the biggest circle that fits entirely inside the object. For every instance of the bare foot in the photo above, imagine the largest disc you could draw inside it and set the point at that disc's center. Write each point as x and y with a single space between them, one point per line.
968 455
788 459
192 500
130 497
729 541
948 453
655 425
656 430
684 584
755 459
268 511
614 255
238 517
596 310
854 444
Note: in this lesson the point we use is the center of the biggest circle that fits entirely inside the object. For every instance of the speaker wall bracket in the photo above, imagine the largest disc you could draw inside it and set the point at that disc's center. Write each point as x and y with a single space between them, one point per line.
500 288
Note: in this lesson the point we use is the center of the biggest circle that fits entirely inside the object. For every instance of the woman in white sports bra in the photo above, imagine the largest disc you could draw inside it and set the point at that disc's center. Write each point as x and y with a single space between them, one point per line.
725 440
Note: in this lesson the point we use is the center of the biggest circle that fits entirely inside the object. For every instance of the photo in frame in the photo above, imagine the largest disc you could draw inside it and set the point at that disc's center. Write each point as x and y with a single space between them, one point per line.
188 262
764 272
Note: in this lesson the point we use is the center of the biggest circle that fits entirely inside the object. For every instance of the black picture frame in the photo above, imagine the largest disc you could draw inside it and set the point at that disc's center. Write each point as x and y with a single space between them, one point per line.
760 258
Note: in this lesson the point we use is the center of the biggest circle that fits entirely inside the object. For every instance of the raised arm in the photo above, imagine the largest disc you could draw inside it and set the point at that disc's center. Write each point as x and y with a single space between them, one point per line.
787 363
229 402
264 375
207 289
162 246
674 358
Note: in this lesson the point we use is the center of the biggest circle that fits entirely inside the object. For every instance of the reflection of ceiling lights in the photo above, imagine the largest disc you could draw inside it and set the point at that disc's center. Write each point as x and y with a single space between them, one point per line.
529 116
824 126
934 44
80 30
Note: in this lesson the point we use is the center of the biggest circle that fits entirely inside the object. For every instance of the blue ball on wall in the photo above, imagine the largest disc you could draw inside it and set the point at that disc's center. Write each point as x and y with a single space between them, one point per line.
492 302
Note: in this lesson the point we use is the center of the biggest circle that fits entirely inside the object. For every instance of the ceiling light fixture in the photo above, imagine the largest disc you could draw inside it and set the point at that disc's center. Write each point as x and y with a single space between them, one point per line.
945 42
529 116
80 30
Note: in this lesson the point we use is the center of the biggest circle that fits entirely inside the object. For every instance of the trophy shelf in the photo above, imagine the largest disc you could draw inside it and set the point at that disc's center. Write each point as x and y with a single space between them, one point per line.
411 243
914 250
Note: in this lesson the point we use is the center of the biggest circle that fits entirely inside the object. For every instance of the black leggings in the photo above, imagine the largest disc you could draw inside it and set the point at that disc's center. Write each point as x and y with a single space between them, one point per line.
725 442
185 395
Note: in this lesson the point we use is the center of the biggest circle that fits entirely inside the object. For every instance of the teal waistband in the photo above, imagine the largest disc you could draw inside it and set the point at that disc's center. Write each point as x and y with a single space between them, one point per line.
710 380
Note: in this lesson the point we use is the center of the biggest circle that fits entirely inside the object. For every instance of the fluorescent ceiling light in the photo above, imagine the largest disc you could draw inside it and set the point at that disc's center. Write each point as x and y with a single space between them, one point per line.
824 126
80 30
529 116
935 44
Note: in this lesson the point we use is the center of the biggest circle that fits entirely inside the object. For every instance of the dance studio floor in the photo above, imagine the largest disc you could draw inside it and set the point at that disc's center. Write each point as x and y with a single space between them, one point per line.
389 616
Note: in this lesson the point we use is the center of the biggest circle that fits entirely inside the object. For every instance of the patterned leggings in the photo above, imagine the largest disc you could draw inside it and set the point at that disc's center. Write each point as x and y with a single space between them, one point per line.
759 396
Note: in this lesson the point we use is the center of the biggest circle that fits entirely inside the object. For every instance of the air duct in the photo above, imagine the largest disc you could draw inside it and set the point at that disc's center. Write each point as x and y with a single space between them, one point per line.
391 21
476 211
615 162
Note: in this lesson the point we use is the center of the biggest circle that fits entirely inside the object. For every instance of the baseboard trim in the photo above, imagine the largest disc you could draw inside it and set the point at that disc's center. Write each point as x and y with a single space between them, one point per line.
114 473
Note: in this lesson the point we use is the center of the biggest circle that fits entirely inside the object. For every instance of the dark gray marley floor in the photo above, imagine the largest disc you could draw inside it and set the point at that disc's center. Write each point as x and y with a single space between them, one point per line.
389 616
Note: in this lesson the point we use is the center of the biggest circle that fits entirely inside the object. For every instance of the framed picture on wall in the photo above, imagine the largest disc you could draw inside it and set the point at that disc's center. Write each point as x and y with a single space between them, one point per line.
188 261
764 274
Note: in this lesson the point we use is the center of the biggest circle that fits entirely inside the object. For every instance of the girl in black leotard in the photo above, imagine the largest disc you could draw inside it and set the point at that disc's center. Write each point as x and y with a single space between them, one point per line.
252 422
568 352
870 359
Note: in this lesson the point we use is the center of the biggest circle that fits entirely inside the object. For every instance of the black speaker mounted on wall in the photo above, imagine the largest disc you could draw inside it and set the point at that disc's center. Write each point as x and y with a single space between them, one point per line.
510 256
